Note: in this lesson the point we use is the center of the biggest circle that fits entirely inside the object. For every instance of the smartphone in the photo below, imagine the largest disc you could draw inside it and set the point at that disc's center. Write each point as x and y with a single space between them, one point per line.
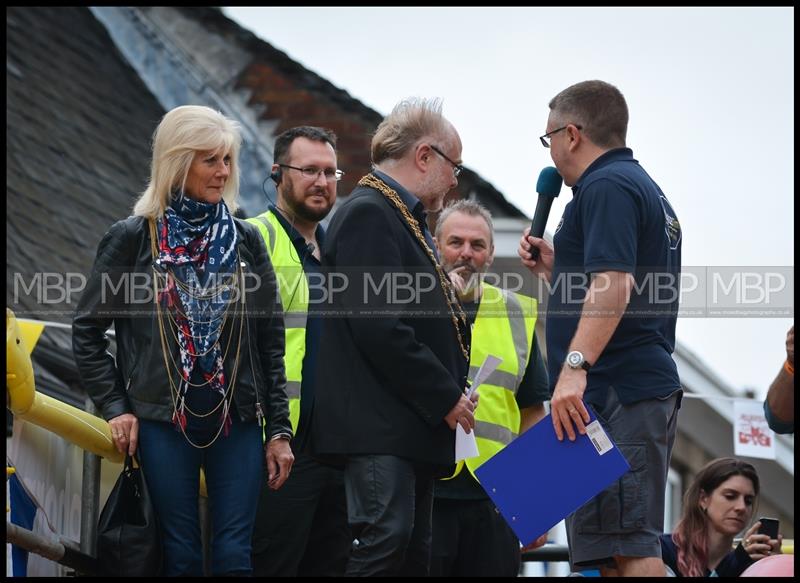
769 526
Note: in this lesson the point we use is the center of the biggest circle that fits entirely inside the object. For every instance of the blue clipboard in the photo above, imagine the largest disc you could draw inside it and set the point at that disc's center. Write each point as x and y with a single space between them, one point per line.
536 481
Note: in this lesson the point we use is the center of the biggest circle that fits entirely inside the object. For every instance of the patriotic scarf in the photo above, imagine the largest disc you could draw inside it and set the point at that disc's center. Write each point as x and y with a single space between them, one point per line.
197 244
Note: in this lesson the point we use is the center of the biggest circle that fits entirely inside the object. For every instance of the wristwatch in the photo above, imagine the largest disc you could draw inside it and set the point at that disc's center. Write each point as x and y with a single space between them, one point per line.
576 361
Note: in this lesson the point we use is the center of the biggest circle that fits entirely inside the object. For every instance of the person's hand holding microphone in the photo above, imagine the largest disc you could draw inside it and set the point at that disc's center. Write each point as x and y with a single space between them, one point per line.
536 253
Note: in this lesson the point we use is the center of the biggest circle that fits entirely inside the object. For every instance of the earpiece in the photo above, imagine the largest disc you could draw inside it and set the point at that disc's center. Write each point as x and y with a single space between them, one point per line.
276 175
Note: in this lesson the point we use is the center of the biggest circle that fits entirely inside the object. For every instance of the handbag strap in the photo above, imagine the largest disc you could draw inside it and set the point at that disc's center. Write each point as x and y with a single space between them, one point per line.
131 462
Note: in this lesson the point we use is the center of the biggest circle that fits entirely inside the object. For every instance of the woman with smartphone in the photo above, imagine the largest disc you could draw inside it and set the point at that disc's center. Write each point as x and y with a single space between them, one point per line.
718 505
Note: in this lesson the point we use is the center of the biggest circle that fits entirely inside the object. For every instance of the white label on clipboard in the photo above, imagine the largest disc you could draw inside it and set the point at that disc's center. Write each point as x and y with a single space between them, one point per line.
599 438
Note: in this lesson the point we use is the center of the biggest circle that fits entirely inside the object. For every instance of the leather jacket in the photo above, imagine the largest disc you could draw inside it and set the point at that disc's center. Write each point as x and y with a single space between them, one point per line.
119 291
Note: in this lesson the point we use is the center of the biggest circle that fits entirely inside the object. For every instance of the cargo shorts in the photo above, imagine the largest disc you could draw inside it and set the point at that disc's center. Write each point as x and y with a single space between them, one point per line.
627 518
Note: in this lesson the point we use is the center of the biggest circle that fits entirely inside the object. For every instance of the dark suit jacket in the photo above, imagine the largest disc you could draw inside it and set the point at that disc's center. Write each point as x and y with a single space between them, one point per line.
385 380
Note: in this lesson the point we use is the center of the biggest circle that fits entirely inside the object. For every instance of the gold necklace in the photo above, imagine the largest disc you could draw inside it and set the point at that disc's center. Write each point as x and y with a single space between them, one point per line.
175 327
166 275
456 312
227 397
193 292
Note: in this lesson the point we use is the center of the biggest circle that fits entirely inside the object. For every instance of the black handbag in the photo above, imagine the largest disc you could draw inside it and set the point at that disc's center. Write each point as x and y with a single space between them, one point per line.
128 535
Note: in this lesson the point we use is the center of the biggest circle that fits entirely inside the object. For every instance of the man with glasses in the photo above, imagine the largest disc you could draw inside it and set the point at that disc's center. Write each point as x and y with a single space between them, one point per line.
301 529
393 362
610 338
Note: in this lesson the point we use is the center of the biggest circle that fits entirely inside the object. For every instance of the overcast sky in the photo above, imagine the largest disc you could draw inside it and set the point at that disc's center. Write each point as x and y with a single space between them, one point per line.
711 99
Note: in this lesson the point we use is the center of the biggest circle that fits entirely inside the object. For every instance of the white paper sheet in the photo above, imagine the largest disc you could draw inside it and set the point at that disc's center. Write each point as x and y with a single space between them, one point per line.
466 445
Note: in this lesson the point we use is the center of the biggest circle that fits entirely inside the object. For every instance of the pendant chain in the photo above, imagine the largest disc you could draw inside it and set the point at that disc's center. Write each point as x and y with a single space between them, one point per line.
456 312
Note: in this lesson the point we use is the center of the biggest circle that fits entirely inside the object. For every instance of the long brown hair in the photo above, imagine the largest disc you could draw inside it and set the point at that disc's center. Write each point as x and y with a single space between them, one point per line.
690 533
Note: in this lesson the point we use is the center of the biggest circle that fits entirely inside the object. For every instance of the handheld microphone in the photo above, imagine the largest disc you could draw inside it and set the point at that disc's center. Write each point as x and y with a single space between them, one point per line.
548 186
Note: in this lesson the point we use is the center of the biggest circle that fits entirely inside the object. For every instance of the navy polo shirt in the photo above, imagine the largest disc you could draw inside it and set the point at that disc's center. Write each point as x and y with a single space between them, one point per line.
311 265
619 220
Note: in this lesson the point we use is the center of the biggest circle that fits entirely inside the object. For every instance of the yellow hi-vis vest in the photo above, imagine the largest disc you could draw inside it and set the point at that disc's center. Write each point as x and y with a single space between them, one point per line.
293 287
503 327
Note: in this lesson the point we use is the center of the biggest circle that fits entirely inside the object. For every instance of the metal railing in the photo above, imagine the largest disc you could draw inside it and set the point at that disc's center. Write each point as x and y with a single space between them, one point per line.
62 551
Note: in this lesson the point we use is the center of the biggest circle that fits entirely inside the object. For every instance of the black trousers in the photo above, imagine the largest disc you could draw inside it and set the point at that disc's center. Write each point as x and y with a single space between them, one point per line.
389 505
301 529
472 539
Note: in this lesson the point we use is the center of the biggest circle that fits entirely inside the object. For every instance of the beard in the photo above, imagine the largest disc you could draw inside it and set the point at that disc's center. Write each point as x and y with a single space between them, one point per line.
470 274
296 201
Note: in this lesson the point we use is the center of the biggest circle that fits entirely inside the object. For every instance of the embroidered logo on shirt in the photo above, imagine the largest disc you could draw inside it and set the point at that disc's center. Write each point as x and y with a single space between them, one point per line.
672 227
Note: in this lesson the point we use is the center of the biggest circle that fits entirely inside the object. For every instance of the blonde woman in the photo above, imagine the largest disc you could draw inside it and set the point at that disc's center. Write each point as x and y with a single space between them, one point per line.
199 362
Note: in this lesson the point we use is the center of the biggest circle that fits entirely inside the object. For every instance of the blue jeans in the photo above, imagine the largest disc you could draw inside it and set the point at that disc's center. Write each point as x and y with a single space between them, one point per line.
232 467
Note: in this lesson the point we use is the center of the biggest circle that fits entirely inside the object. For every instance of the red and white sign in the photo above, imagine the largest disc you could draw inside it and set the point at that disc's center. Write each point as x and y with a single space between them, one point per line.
752 436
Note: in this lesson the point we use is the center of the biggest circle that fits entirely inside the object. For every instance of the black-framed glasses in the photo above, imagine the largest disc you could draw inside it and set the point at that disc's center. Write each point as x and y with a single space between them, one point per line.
457 168
312 172
545 139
